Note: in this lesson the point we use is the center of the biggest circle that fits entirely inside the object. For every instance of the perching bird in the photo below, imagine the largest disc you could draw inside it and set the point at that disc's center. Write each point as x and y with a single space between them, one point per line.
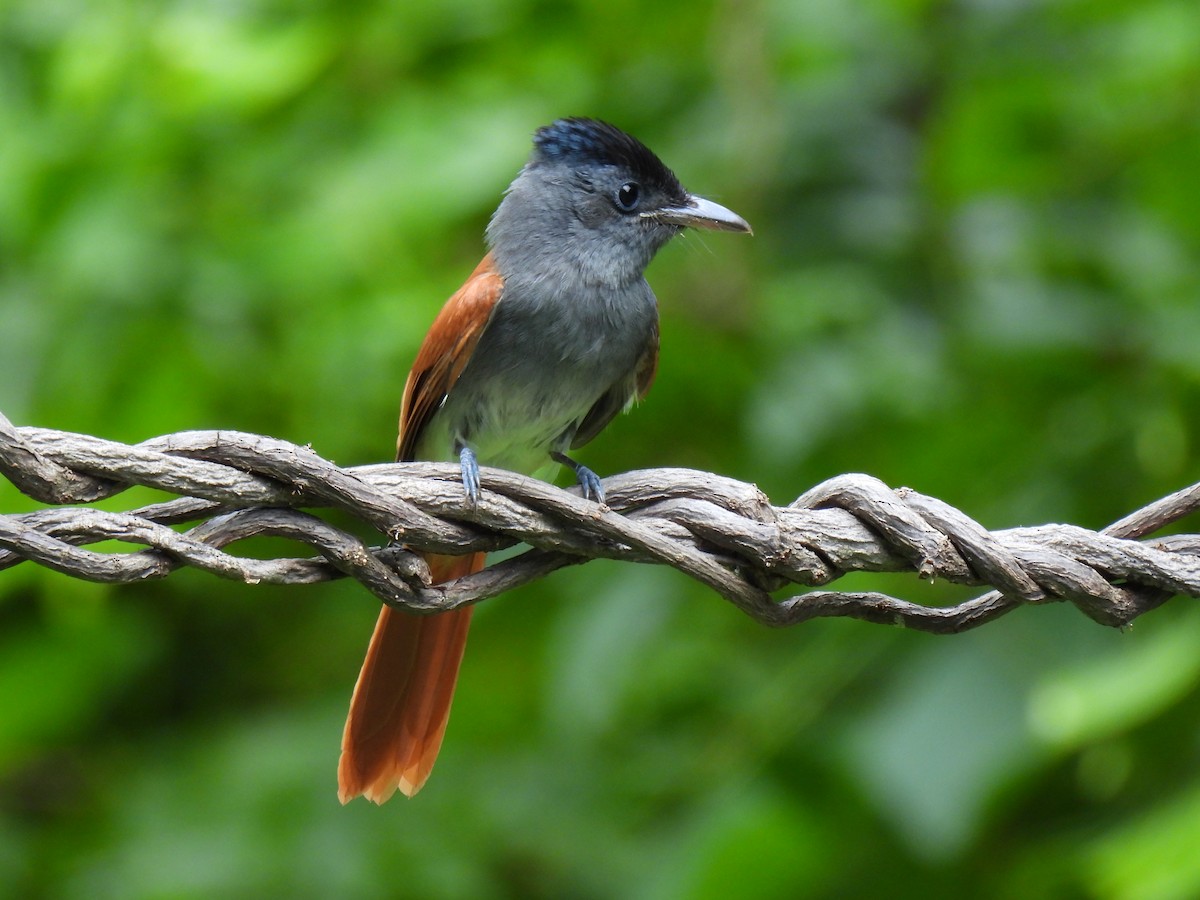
554 333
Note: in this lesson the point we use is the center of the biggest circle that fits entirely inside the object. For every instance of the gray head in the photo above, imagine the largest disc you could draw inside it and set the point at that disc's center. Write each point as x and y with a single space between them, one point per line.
594 204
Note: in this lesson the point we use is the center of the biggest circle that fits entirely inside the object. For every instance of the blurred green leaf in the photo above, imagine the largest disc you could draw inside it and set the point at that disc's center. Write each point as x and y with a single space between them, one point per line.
1152 856
1108 694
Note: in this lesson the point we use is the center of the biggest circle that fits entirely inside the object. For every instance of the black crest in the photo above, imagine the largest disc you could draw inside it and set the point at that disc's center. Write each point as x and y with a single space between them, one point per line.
583 142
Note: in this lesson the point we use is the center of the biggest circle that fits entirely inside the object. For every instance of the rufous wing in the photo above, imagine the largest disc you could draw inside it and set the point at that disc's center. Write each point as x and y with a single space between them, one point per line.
445 352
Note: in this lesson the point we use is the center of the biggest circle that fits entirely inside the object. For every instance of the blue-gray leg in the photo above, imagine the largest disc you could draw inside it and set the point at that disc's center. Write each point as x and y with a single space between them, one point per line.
470 473
589 481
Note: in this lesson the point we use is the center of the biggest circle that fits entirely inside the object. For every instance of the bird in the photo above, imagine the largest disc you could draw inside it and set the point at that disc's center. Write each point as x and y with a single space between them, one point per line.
554 333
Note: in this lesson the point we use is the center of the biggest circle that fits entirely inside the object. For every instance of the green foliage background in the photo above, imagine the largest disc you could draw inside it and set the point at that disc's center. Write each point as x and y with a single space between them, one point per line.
975 272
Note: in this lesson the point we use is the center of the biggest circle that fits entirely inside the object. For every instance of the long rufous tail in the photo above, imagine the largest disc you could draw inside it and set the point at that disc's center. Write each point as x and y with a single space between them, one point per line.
402 698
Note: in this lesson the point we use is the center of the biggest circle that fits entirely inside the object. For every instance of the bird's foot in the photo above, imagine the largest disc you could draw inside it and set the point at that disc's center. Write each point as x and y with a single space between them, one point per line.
589 481
470 473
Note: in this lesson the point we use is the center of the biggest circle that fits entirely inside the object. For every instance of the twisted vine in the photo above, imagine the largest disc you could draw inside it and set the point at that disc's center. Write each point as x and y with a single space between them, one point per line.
724 533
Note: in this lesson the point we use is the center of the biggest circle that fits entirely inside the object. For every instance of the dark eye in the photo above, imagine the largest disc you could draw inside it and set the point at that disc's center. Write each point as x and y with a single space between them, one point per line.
628 196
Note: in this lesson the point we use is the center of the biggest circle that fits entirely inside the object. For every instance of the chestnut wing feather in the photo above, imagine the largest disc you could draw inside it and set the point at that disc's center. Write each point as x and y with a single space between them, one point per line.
445 352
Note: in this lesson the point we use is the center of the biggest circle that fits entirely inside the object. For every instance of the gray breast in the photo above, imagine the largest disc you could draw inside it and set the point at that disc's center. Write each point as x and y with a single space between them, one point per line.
543 361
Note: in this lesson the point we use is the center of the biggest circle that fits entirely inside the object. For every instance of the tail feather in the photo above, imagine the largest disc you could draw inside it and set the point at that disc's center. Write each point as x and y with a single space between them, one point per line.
415 775
402 698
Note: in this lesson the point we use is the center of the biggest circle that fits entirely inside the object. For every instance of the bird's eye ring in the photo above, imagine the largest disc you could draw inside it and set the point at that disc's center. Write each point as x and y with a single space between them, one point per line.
628 196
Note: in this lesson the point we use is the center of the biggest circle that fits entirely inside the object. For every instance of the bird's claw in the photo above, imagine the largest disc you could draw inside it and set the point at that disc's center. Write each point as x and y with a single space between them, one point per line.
589 481
470 473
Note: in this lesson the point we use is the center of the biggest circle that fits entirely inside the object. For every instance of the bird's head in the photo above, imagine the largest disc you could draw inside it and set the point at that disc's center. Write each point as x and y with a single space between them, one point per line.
596 204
